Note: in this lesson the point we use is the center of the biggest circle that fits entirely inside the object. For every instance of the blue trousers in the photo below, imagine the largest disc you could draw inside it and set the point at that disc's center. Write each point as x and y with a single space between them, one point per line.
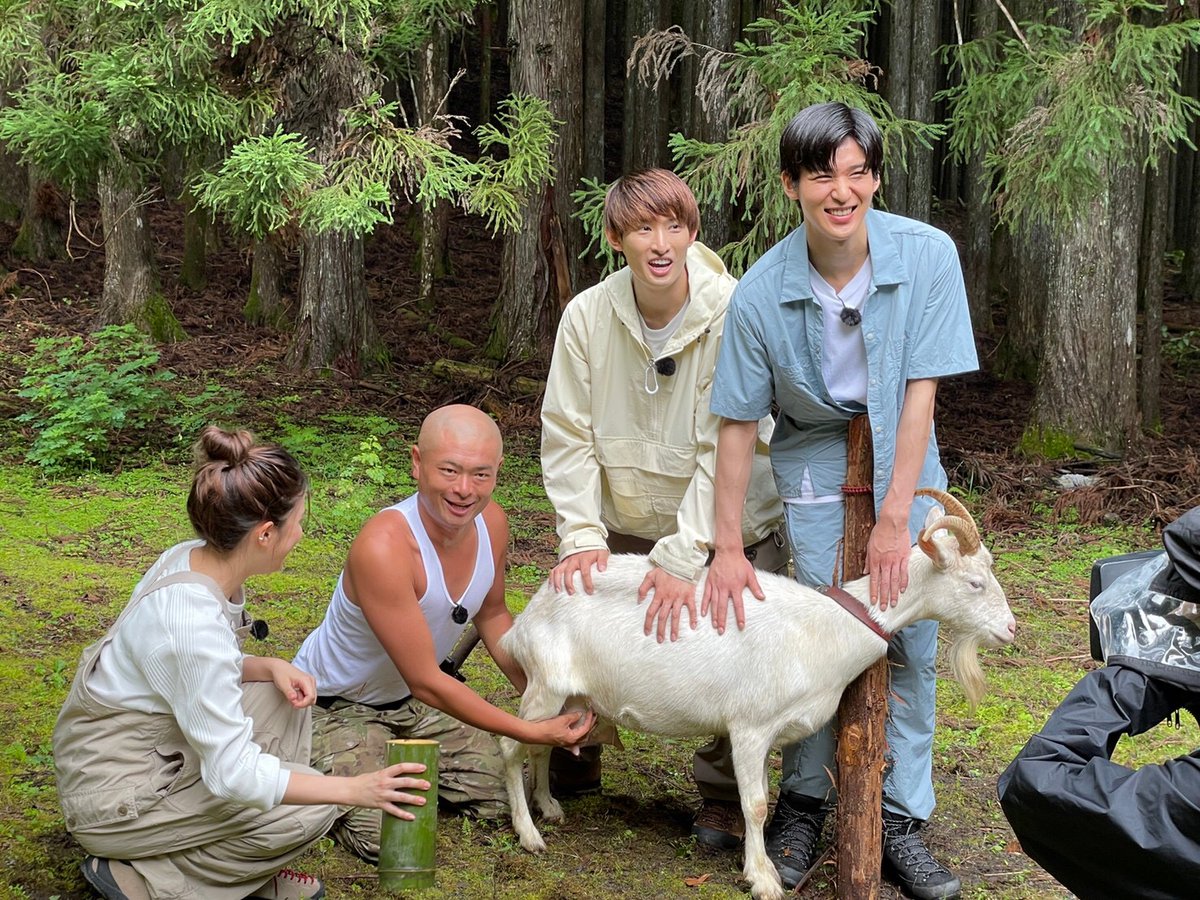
815 531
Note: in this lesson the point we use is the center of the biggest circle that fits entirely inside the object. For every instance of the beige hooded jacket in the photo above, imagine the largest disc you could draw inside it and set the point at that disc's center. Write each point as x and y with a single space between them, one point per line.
630 450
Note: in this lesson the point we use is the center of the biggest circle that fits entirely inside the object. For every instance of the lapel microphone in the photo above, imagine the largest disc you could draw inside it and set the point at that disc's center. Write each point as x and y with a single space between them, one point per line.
665 366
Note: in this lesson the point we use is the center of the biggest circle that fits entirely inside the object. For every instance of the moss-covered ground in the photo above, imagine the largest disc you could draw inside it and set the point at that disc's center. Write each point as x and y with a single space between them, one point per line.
71 550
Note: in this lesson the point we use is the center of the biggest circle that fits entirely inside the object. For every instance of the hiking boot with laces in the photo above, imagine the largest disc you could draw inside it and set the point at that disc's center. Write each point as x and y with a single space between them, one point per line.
908 862
792 836
719 825
288 884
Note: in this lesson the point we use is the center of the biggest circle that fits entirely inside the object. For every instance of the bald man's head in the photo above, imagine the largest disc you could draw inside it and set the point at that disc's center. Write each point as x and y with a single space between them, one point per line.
460 423
455 461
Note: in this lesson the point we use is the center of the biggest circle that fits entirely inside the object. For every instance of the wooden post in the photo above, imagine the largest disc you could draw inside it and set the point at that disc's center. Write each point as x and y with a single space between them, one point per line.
862 713
406 849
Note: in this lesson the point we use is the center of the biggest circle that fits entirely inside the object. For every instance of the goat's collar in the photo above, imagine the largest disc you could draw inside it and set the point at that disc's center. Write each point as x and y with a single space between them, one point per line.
851 605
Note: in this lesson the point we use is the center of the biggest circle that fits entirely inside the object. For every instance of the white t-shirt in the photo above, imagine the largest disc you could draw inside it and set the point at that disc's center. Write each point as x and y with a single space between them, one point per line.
844 355
656 338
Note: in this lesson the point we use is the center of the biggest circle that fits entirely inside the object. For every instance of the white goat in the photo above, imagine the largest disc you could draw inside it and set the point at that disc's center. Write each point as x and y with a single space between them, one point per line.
773 683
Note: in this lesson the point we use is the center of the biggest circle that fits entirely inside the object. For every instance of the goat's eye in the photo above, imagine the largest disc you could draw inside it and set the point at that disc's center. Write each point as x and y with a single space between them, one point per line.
976 584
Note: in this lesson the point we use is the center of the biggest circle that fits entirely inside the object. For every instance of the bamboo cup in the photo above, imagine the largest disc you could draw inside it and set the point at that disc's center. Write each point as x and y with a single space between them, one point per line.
407 860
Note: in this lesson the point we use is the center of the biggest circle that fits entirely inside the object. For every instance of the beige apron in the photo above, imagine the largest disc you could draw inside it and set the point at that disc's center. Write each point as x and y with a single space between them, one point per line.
130 788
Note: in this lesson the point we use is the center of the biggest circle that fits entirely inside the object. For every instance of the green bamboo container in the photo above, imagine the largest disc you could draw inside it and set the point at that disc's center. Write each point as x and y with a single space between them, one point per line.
407 859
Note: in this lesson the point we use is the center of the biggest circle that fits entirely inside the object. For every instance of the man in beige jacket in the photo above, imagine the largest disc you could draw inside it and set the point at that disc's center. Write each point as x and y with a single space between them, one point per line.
629 444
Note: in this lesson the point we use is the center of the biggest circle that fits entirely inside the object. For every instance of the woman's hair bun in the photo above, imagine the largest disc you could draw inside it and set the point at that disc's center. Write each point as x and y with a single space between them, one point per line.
239 483
222 446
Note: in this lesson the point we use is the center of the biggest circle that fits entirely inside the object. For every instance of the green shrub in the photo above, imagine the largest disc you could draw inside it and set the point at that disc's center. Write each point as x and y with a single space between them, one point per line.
87 392
1182 349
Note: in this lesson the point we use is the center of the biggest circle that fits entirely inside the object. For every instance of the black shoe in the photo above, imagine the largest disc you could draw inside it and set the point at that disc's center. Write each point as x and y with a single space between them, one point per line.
114 879
792 836
908 862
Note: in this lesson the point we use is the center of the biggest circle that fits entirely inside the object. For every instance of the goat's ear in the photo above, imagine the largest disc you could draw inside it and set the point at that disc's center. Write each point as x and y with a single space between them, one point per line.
935 513
942 549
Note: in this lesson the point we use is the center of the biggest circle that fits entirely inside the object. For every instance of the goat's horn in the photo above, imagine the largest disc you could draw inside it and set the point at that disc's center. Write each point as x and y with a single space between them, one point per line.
962 529
950 503
954 507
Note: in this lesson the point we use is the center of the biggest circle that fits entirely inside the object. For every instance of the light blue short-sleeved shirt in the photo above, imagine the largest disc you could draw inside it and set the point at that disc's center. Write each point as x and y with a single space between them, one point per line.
915 324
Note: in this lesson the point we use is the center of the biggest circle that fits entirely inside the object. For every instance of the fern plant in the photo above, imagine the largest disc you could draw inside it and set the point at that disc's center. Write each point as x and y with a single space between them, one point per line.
84 394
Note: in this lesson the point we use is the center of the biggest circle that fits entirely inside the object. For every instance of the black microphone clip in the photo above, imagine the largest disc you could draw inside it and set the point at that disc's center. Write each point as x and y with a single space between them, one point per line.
665 366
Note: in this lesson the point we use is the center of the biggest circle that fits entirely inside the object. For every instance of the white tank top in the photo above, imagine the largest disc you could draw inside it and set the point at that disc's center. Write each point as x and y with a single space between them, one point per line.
343 653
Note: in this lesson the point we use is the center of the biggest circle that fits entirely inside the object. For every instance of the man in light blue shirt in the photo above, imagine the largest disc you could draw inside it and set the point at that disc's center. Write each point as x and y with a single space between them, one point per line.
856 311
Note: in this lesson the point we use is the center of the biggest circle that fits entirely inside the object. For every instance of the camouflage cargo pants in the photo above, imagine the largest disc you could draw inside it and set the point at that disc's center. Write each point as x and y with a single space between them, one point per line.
351 739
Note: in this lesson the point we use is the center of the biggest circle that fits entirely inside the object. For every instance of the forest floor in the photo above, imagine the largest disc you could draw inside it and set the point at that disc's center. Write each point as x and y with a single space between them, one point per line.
631 840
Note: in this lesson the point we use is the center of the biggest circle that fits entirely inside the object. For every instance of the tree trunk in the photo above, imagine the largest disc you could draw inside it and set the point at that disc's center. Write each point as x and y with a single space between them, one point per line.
594 92
485 14
433 83
896 90
1150 288
923 66
645 105
132 292
1020 352
977 199
1184 162
710 120
539 262
14 180
41 236
1086 393
862 713
265 305
197 225
334 323
1191 264
334 327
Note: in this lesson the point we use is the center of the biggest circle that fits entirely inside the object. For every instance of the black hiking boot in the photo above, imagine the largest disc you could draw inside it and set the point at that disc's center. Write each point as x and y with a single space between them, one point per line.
908 862
792 836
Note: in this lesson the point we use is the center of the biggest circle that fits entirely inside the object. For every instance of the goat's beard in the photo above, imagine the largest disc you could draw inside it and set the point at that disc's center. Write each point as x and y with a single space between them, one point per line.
964 666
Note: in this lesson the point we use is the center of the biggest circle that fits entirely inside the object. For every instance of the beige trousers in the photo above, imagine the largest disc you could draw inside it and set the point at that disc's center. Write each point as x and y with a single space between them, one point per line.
191 844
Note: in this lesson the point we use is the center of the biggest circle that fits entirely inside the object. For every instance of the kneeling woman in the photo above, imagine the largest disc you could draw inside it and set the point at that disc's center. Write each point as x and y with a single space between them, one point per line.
182 763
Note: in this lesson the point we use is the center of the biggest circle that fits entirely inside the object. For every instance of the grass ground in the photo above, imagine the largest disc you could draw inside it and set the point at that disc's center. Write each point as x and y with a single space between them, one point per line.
71 550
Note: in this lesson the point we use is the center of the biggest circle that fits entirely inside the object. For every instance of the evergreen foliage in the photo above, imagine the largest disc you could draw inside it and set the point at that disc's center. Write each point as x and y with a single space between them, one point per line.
810 53
119 78
141 78
268 182
1052 110
260 182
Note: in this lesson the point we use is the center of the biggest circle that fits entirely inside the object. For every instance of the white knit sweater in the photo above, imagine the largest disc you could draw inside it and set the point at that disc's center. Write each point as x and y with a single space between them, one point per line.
177 653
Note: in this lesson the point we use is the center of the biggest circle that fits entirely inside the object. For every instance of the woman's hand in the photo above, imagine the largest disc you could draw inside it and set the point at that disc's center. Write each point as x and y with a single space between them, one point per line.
298 686
569 729
386 788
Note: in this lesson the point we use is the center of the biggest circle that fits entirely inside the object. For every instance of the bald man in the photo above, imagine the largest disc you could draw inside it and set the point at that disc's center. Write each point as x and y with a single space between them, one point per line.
417 573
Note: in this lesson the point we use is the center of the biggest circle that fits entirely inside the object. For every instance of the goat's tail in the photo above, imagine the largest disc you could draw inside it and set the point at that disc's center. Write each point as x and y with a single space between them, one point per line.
964 665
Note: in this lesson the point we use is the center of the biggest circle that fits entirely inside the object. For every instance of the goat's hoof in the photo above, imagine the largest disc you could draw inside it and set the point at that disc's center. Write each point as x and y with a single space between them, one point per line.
768 892
766 887
552 811
533 842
